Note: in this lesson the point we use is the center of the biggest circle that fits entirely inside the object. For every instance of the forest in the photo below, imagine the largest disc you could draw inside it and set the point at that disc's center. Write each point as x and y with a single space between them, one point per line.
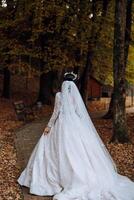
47 38
92 38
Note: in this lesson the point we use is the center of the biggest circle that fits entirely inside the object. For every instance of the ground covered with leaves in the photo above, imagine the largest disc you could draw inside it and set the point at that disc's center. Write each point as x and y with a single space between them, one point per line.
9 189
9 171
123 154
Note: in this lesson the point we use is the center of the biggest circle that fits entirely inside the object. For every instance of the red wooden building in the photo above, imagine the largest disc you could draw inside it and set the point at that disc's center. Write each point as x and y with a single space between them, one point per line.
94 88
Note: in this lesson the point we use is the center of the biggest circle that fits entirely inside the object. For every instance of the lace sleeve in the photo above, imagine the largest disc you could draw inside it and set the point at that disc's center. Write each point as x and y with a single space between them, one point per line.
56 110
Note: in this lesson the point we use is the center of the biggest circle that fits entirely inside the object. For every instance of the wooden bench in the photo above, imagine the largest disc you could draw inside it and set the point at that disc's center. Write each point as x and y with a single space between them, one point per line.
23 112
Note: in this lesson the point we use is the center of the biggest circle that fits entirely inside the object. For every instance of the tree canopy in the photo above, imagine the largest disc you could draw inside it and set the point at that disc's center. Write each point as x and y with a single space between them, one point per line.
38 36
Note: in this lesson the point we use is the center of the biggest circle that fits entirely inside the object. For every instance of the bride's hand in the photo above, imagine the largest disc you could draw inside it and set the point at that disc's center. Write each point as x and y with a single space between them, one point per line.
46 130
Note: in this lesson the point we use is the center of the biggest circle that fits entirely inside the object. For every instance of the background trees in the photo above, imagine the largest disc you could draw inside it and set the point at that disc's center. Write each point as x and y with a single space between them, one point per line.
31 30
46 38
119 70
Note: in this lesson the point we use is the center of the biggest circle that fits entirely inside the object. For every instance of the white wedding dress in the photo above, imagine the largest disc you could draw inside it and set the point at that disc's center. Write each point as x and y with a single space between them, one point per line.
71 162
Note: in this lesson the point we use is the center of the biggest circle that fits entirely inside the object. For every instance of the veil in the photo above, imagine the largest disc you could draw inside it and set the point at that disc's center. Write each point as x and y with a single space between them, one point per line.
74 110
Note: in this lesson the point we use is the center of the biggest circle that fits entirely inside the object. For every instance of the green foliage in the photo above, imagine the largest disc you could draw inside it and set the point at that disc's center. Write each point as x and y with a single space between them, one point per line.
38 36
130 66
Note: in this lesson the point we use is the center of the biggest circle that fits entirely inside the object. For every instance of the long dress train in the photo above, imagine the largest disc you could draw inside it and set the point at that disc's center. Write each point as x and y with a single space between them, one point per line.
71 162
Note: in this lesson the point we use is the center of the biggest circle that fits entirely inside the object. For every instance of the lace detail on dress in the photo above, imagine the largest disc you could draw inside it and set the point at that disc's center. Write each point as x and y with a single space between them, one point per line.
56 110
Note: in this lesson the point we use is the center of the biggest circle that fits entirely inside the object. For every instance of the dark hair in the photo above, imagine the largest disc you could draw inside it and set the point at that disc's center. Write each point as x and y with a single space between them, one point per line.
68 77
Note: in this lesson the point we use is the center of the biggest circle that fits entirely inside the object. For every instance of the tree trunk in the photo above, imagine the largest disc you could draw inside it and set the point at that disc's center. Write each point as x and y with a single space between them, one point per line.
6 83
45 91
119 71
88 67
91 44
109 114
86 75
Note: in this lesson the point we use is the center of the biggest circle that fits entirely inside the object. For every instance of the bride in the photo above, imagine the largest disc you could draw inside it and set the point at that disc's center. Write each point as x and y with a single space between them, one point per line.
70 162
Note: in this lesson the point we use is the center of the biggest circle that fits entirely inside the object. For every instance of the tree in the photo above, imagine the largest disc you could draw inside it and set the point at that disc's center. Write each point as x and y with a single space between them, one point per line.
119 71
42 36
6 72
92 43
128 27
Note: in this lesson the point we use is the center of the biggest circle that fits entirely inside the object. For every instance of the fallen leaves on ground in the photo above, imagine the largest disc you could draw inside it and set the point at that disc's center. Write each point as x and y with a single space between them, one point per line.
97 105
9 189
122 154
9 171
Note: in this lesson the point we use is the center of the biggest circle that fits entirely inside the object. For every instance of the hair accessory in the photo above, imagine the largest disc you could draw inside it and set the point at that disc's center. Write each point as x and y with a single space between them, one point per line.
71 73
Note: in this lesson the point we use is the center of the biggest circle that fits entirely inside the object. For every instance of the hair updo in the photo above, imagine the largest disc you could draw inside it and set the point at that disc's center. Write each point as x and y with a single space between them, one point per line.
70 76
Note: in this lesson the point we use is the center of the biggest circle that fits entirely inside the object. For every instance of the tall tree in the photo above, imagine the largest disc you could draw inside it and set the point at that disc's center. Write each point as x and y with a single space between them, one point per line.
128 28
6 72
46 81
97 17
44 36
119 72
88 65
